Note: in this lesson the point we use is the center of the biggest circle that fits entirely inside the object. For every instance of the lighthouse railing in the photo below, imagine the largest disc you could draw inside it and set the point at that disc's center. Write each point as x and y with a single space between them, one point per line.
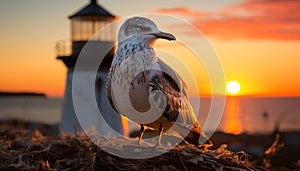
63 48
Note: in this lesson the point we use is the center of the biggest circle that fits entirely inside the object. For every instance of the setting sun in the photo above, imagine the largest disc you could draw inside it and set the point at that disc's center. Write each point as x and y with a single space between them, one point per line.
233 87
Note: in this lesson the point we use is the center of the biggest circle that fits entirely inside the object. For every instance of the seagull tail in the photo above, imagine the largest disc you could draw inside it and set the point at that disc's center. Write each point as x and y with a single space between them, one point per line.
197 137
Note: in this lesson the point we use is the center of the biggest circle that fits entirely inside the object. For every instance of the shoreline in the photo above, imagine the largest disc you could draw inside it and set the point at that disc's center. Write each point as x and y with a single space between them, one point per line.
22 94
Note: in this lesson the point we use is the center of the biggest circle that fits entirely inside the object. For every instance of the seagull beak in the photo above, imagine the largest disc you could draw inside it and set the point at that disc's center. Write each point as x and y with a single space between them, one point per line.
163 35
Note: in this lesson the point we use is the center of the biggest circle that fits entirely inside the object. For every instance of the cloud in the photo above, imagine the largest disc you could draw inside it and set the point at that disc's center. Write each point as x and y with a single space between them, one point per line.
251 19
181 11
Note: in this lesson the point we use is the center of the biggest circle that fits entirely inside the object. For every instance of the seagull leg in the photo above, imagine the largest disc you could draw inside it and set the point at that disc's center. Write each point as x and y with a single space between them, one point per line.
141 134
161 129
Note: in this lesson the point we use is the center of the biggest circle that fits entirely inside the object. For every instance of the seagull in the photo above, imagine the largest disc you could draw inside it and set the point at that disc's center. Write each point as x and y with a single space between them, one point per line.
140 86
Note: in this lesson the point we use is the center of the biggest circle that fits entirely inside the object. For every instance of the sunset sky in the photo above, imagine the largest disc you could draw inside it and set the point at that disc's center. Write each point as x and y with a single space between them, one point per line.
258 41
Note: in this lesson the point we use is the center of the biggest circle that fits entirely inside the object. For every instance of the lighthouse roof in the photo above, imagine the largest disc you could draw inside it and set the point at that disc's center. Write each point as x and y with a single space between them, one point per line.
92 9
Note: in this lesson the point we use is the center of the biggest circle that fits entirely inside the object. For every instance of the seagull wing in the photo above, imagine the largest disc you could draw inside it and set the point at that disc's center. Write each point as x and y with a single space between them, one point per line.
178 109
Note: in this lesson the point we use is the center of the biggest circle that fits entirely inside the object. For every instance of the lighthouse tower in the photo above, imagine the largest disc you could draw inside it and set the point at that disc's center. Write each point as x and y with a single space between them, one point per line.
84 24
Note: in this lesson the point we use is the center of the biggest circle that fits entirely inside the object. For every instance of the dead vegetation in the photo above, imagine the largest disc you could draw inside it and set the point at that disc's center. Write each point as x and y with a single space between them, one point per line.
30 150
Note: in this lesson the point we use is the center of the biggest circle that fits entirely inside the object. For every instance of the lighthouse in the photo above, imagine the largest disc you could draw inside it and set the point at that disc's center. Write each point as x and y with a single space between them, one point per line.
84 24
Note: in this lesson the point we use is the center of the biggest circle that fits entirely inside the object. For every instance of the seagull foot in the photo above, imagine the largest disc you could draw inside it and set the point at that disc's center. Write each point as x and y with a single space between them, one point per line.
159 148
139 142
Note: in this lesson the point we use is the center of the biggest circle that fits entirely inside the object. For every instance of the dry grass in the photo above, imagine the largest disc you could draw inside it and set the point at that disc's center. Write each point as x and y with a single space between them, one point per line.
30 150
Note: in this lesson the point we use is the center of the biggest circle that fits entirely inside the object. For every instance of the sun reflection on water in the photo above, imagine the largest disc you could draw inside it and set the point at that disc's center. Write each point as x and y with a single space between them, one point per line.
232 123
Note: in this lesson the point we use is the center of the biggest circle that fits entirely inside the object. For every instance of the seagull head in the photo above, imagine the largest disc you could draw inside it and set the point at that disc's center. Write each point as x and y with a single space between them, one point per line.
142 29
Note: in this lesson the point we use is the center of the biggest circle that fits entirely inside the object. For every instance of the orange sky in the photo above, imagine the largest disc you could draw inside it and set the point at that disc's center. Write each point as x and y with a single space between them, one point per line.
258 41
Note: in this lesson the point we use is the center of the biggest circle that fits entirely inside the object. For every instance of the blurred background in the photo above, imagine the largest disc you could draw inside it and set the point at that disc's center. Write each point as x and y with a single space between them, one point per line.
257 41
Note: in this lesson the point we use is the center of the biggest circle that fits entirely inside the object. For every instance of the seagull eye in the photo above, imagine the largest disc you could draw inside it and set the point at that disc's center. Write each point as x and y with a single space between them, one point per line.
140 27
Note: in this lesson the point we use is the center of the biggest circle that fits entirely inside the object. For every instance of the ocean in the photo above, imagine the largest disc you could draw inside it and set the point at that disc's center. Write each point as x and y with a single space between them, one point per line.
34 109
251 115
256 115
